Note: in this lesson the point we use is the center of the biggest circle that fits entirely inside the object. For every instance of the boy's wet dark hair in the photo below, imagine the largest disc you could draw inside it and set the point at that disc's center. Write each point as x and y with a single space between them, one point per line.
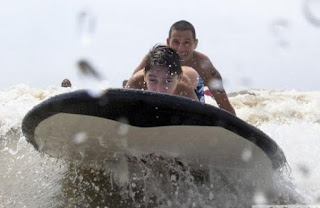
183 25
163 56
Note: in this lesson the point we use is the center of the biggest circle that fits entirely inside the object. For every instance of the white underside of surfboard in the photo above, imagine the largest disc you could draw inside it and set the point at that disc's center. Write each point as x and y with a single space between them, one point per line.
92 139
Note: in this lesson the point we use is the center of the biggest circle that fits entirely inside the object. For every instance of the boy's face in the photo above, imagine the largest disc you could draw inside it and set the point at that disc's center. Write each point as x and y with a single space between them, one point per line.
158 79
183 42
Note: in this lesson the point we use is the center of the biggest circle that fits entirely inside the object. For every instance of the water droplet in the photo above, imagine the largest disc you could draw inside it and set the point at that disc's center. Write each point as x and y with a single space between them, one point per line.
123 120
97 188
86 22
210 195
311 10
123 129
246 81
86 69
216 84
304 170
259 198
79 138
173 178
91 79
280 30
246 155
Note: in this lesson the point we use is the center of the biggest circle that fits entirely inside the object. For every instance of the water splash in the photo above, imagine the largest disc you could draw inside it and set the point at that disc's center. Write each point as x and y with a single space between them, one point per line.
246 155
304 170
311 11
123 129
87 69
91 78
148 180
216 84
86 22
260 198
280 30
246 82
80 138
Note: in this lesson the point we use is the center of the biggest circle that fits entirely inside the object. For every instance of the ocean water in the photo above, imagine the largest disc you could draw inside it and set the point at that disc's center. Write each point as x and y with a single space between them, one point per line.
291 118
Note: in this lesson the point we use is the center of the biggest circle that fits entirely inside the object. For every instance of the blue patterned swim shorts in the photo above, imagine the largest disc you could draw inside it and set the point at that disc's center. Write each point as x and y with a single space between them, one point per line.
200 90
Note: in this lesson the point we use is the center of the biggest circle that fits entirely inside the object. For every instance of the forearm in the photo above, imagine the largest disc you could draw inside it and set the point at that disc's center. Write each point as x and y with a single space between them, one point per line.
223 101
141 65
186 90
136 82
137 69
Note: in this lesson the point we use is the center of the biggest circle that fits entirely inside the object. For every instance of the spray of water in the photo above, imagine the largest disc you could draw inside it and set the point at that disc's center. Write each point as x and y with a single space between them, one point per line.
91 78
289 117
311 11
280 30
86 22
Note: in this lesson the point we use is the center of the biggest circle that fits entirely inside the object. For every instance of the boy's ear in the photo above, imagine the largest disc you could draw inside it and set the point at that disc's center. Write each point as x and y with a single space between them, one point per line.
195 43
144 75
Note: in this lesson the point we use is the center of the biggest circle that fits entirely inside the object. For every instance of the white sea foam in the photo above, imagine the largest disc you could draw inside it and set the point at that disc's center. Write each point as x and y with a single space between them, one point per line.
292 119
289 117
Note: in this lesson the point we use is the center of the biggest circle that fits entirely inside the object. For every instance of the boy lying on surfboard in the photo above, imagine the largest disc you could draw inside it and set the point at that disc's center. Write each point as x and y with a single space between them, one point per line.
163 73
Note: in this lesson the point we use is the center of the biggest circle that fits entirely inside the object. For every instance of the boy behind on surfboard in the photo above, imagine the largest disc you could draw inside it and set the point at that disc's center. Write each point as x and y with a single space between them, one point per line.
163 73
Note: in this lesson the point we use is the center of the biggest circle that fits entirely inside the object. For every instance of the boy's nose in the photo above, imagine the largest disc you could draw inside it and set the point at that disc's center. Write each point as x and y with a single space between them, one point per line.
161 88
180 48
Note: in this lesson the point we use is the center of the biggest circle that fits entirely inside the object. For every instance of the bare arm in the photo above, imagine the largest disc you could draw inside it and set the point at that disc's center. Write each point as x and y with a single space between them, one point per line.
136 81
213 80
141 65
186 89
192 76
139 68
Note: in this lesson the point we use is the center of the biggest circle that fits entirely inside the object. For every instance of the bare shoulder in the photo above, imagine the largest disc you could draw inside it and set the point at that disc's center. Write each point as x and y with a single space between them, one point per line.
141 65
190 72
189 69
200 56
186 89
205 67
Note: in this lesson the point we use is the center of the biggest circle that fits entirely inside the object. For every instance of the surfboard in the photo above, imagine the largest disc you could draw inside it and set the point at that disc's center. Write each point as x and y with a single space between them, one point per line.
124 123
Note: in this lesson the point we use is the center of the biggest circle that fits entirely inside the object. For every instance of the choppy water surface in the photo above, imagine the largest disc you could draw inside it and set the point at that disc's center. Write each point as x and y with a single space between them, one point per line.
291 118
